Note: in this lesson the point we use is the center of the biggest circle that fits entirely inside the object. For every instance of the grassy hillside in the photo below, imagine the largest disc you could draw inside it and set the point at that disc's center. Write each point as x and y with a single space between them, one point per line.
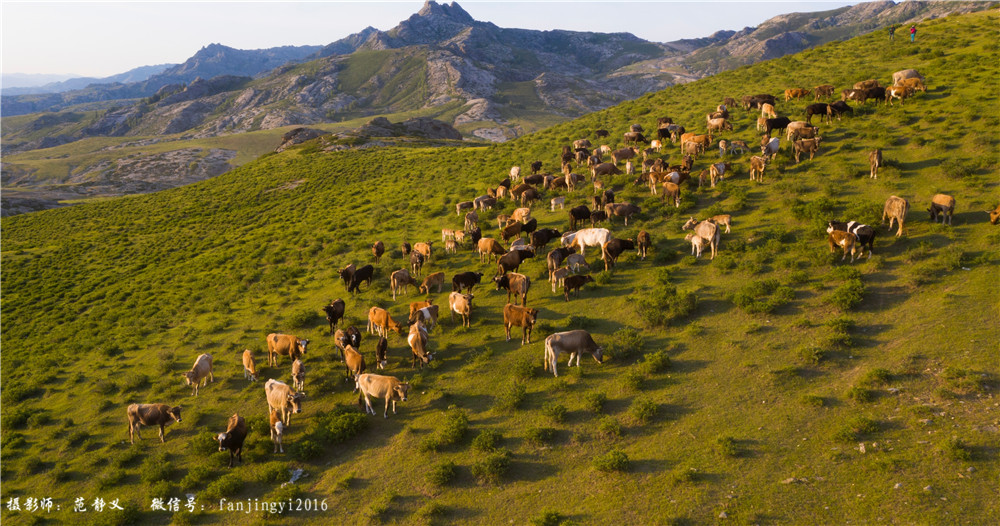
774 385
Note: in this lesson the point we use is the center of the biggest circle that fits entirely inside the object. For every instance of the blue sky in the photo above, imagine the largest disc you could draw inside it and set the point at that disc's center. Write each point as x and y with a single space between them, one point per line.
103 38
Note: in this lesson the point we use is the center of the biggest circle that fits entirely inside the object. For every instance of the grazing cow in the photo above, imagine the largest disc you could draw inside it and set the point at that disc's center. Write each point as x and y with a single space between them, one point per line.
673 191
249 366
578 213
575 262
464 205
824 90
643 241
779 123
581 143
597 216
874 162
877 93
575 283
346 274
895 209
994 216
839 108
604 169
334 312
914 84
529 196
796 93
471 220
424 248
757 166
761 122
800 130
722 219
516 285
697 243
897 92
381 349
625 210
820 108
465 280
535 166
767 110
633 137
150 415
515 173
592 237
901 75
277 431
284 399
298 375
723 147
415 308
379 386
285 345
558 276
462 305
555 258
363 274
511 230
540 238
844 240
865 84
864 234
558 201
719 125
522 317
379 322
512 260
707 230
399 280
232 439
353 336
405 248
377 250
521 214
623 154
614 248
770 147
574 343
435 279
943 205
427 315
600 133
485 202
450 246
355 362
416 262
718 171
810 146
738 146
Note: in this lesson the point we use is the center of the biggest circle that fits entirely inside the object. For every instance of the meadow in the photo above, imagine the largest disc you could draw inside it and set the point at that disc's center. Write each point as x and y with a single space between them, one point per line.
775 384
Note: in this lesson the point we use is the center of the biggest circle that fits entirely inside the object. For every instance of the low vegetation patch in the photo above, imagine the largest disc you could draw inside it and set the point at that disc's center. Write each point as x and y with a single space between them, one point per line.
614 460
762 297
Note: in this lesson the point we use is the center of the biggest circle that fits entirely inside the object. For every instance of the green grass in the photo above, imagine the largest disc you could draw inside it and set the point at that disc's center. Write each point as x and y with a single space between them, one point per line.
110 301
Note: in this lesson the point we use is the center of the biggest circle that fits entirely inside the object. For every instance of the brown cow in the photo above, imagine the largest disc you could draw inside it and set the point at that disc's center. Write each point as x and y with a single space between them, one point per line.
418 344
355 362
150 415
399 280
380 386
618 156
435 279
572 283
796 93
334 312
284 399
845 240
895 209
277 430
757 165
379 321
643 241
943 205
874 162
200 373
233 438
377 250
994 216
522 317
515 284
488 248
424 248
461 304
810 146
824 90
298 375
285 345
249 366
416 306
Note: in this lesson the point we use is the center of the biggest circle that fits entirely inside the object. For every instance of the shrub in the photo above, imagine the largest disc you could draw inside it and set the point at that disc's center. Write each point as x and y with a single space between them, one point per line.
155 469
133 382
548 518
226 486
377 509
878 376
643 410
305 449
442 474
32 465
812 355
303 318
955 449
17 418
847 296
762 297
631 380
492 468
204 444
728 446
487 440
511 397
857 429
524 369
614 460
456 426
609 428
663 304
594 402
555 412
625 344
813 400
197 476
540 435
861 394
343 426
112 478
431 510
130 513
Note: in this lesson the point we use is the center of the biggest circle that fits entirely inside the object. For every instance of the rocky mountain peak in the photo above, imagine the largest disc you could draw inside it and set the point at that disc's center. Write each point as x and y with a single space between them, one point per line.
453 11
433 23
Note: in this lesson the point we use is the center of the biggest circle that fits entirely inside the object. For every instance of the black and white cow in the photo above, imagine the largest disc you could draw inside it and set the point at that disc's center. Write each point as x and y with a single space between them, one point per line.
864 233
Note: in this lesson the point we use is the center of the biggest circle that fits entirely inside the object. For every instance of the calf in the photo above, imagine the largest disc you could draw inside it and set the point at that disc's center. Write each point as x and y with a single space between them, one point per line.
377 250
717 171
405 248
864 234
516 285
521 317
643 241
464 205
334 312
510 231
346 274
824 90
897 92
200 373
379 386
150 415
535 167
625 210
574 343
355 362
363 274
277 430
844 240
770 147
379 322
424 248
575 262
249 366
810 146
557 277
722 219
614 248
942 205
380 352
232 439
796 93
285 345
432 280
767 110
399 280
558 201
298 375
462 305
895 209
555 258
757 166
575 283
416 262
466 280
707 230
284 399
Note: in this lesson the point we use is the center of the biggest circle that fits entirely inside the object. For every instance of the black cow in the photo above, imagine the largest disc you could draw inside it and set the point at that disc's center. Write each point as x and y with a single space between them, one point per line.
820 108
510 261
535 166
232 439
474 235
365 274
578 213
540 238
779 123
334 312
839 108
405 248
614 248
530 226
466 280
597 216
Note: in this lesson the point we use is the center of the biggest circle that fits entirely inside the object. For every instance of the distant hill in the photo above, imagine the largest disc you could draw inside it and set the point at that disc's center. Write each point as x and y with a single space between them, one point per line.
133 75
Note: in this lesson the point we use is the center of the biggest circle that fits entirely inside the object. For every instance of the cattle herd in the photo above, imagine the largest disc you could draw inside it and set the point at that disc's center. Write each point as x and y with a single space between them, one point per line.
519 239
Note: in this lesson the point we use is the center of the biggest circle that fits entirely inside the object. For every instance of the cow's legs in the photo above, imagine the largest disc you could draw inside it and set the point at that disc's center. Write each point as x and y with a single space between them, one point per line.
161 433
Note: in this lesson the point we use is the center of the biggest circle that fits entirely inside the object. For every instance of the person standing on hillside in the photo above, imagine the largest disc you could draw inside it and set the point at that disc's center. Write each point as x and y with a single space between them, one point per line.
892 31
913 32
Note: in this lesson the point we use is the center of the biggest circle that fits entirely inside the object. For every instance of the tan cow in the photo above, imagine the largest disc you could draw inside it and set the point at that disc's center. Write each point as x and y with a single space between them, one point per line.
387 387
461 304
298 375
796 93
249 366
697 243
767 110
424 248
286 345
874 163
895 209
757 165
574 343
150 415
417 339
722 219
489 249
521 317
845 240
521 214
282 398
810 146
200 373
823 90
379 322
355 362
707 230
435 279
399 280
718 171
943 205
277 430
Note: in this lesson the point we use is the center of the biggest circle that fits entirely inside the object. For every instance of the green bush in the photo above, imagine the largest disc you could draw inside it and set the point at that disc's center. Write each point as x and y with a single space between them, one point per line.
555 412
594 402
111 479
226 486
442 474
861 395
847 296
728 446
614 460
456 426
812 355
17 418
878 376
155 469
540 435
664 304
858 428
631 380
642 410
524 369
955 449
762 297
306 449
487 440
609 428
511 397
492 468
813 400
548 518
625 344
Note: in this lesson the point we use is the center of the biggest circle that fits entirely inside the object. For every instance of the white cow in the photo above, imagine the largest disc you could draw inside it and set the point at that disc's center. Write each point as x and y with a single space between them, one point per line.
379 386
591 237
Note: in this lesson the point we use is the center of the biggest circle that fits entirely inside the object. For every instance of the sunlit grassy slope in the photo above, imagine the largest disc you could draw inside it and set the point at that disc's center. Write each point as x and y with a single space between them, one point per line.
866 395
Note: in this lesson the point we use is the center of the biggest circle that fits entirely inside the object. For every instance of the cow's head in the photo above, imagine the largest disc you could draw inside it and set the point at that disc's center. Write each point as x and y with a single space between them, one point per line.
295 400
530 316
302 345
599 355
189 378
223 439
829 227
175 413
401 390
